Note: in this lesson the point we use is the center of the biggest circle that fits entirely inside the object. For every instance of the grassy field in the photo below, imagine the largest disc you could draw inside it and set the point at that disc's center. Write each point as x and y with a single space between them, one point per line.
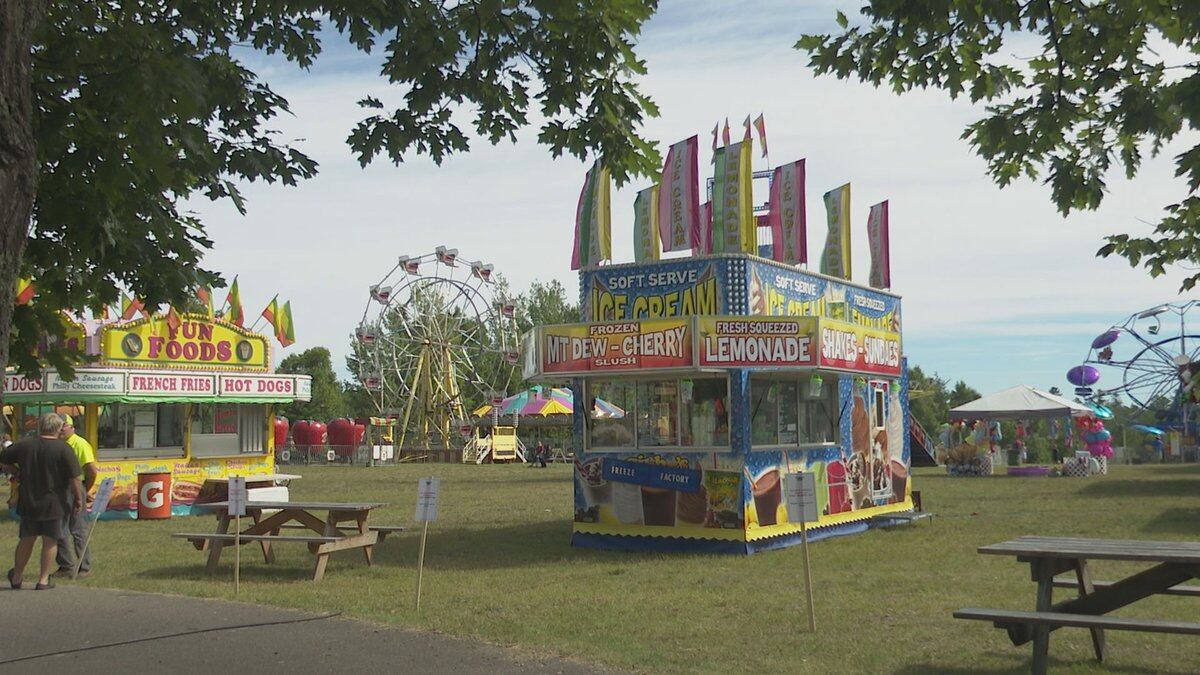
499 568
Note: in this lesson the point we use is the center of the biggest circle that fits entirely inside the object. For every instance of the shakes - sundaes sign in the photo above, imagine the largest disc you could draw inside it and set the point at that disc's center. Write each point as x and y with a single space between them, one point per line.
848 346
196 342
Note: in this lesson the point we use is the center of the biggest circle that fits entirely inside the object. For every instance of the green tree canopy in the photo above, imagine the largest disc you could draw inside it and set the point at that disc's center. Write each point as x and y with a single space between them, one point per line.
1103 85
113 113
328 399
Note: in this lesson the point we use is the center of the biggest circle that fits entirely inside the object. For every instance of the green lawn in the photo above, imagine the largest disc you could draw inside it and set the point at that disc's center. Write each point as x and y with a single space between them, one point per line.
499 568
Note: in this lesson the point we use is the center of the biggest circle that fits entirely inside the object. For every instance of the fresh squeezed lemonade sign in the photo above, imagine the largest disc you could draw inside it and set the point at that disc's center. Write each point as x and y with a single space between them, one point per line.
198 342
746 342
850 346
628 345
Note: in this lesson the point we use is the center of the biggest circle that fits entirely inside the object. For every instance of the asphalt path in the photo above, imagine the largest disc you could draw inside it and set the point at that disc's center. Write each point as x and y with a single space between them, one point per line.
70 629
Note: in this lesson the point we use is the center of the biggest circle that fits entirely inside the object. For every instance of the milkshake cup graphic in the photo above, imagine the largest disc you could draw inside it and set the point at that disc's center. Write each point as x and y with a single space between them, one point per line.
692 507
627 503
658 506
767 493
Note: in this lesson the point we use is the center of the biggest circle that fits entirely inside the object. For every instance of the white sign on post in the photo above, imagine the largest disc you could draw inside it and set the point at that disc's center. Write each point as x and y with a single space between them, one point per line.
237 496
427 499
800 495
103 495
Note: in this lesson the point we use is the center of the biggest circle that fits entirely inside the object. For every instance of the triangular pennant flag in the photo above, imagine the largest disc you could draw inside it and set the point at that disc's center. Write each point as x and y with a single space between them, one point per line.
235 314
25 291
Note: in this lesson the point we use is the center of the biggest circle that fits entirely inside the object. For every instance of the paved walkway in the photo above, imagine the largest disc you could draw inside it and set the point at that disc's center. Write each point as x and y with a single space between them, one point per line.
75 630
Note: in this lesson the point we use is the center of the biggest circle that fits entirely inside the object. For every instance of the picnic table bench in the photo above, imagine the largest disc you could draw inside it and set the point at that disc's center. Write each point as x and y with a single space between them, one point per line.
329 534
1174 564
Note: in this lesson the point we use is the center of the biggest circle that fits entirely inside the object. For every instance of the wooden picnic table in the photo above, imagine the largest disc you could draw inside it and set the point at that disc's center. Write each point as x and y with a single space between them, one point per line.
1174 563
330 534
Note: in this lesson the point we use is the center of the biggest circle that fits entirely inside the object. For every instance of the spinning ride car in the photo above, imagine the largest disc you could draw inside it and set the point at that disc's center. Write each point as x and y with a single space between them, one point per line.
196 400
733 370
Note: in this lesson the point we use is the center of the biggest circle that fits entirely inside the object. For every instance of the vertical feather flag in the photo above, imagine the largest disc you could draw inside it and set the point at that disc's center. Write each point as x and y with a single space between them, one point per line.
679 196
733 228
746 124
789 229
235 313
130 306
271 312
25 291
204 293
761 125
286 332
835 259
702 242
593 220
645 225
173 319
880 245
725 132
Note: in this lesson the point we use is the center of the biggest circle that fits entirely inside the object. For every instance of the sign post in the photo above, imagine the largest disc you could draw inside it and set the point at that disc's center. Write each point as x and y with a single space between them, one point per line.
99 506
237 509
427 505
800 493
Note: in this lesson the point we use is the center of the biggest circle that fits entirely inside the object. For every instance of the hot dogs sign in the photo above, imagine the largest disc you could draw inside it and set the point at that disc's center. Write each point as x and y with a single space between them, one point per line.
194 342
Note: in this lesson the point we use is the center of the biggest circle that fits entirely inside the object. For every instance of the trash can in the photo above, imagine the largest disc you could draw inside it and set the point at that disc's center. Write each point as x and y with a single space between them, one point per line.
154 496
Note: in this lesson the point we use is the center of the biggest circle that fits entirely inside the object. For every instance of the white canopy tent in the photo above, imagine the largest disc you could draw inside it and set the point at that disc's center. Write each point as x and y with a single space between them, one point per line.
1019 402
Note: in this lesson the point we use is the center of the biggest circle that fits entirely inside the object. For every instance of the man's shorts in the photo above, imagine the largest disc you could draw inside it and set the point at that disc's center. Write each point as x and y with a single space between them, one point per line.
41 528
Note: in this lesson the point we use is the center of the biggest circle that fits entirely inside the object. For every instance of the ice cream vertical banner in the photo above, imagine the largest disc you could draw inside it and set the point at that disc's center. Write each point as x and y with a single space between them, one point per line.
789 227
593 220
679 196
645 225
877 238
835 259
733 213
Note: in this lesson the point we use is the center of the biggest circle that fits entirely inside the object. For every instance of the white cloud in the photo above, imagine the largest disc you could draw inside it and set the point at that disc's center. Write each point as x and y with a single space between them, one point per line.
967 257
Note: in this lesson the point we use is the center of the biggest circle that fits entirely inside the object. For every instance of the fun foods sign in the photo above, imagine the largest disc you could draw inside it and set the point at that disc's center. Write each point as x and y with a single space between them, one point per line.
194 342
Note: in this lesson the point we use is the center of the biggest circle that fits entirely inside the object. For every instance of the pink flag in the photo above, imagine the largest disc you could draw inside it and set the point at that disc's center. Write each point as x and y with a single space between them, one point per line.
725 133
702 241
716 130
747 125
679 196
761 125
789 236
877 238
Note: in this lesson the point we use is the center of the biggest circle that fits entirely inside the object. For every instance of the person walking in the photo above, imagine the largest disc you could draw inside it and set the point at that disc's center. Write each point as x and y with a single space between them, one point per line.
49 488
74 534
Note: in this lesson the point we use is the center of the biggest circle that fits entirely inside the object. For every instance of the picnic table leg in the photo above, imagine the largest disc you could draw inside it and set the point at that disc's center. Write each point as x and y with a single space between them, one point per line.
323 558
368 551
1084 578
1045 601
215 546
268 553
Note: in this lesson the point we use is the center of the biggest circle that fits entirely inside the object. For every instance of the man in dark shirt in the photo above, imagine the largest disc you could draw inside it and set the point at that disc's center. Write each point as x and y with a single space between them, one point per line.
49 489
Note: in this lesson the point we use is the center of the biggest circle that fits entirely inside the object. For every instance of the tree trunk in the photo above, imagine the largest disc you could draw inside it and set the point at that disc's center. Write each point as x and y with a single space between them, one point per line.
18 152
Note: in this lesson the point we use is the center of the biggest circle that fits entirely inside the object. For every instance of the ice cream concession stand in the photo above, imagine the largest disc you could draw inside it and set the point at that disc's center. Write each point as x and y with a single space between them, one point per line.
192 398
733 371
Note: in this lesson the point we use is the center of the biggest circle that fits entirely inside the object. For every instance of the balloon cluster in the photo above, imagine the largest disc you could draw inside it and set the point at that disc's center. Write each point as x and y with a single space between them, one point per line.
1097 440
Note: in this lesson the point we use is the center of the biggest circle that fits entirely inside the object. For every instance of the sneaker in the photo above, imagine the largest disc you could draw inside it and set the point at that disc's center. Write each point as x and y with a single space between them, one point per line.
62 573
83 574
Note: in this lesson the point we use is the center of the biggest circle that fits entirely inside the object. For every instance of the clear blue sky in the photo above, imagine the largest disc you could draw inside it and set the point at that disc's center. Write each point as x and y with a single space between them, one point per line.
998 288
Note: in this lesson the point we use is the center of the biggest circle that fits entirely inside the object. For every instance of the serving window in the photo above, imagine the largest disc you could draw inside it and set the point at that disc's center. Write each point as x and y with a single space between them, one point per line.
793 411
658 413
140 430
225 429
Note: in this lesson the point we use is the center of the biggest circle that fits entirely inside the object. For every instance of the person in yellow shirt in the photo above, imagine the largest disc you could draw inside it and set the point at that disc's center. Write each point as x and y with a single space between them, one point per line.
74 530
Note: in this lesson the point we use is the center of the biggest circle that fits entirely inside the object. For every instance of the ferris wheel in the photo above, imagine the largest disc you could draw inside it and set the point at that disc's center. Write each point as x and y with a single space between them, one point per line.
1151 358
436 340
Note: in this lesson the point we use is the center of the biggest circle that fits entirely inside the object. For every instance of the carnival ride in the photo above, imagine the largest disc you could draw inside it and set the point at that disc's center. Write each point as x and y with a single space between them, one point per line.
1152 358
436 338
